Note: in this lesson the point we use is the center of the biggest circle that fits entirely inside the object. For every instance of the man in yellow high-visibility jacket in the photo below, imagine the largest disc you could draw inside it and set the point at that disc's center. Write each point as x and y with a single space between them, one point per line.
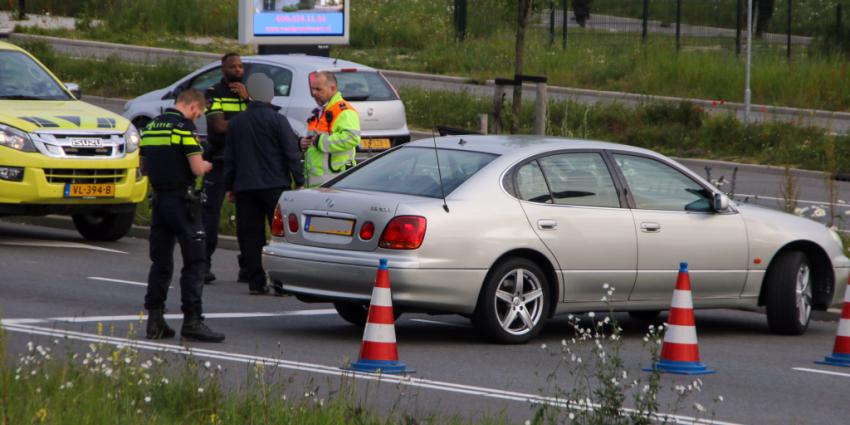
334 132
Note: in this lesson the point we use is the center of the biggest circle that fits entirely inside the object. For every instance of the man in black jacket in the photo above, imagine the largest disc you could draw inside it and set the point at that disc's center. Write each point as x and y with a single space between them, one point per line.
266 162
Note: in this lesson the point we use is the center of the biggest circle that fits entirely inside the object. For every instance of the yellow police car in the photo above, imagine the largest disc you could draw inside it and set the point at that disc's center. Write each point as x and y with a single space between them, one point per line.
59 155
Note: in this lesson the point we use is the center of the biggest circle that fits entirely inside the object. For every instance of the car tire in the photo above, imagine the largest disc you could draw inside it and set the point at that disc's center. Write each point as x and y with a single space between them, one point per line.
356 313
644 315
788 294
104 226
509 313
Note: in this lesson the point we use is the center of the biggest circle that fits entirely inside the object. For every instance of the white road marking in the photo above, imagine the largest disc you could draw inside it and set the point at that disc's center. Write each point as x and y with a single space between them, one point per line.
331 370
801 201
825 372
126 282
435 322
135 317
56 244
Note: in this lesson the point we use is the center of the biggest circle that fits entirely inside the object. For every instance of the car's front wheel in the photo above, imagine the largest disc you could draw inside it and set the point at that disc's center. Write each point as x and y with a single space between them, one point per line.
514 302
104 226
788 295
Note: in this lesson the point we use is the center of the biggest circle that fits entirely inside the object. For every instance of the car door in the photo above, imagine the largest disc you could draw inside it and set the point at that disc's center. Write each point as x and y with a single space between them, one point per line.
572 204
675 222
199 81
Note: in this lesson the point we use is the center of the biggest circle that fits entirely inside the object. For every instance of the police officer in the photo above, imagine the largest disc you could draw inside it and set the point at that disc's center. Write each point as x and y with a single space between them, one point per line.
172 158
225 100
334 132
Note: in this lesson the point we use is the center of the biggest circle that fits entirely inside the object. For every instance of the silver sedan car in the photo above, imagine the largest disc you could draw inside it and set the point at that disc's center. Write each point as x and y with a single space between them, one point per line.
511 230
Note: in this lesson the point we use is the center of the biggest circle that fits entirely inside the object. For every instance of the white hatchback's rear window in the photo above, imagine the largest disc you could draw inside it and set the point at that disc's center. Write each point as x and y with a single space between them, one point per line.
364 86
413 171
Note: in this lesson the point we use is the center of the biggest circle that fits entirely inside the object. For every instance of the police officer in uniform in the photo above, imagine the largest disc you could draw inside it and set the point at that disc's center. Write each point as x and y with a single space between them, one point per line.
171 157
334 132
225 100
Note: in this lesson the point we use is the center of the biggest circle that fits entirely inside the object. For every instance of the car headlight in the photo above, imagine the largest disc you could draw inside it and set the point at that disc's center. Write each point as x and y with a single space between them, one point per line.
131 139
11 137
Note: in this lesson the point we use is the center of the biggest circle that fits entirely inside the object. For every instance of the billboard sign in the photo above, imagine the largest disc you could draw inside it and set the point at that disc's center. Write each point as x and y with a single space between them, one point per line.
271 22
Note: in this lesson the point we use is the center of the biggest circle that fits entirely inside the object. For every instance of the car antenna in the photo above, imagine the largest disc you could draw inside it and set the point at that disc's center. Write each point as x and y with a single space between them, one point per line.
439 172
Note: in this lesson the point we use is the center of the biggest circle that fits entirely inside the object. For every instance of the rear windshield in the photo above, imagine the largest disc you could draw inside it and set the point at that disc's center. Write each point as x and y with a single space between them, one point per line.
413 171
363 86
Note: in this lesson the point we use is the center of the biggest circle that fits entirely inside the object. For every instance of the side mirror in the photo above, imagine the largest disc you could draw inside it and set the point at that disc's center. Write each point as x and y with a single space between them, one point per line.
75 90
720 202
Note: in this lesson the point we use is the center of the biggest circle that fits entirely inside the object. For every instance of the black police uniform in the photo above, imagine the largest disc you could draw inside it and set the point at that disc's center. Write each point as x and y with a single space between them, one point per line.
220 100
166 144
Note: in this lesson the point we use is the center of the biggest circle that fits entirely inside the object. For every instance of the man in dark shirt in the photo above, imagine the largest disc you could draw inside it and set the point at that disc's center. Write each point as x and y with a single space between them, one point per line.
171 157
261 160
225 100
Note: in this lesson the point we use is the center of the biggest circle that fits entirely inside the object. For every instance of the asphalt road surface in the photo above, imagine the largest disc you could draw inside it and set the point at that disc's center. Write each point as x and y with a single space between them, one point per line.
55 285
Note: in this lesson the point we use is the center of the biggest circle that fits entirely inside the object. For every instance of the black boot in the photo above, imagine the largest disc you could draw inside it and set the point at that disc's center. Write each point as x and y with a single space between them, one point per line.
157 328
195 329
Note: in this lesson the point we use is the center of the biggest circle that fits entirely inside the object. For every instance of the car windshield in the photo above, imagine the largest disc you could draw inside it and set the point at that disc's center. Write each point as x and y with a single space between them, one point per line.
21 78
359 86
413 171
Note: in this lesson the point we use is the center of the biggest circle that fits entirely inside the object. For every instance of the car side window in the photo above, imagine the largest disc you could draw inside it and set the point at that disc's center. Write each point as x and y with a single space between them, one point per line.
204 80
531 185
580 179
281 77
658 186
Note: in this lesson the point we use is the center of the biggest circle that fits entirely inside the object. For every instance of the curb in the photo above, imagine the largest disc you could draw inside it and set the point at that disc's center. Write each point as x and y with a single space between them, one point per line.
141 232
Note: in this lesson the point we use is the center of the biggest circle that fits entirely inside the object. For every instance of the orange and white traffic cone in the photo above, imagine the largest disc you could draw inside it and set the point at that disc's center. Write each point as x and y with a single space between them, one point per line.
841 350
379 351
680 352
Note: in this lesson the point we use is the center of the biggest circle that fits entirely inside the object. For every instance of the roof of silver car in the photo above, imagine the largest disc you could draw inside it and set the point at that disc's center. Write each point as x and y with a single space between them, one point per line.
308 63
519 143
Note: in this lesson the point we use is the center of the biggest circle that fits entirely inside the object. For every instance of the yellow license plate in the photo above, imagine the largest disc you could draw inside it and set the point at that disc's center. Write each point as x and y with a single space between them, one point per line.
375 144
90 190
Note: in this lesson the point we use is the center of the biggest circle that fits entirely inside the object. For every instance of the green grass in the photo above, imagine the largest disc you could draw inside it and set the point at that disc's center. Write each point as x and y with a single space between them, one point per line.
682 130
418 36
56 384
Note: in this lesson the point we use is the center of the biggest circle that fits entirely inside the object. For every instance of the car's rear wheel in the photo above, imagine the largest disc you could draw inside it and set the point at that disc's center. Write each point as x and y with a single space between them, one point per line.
788 294
514 303
356 313
644 315
104 226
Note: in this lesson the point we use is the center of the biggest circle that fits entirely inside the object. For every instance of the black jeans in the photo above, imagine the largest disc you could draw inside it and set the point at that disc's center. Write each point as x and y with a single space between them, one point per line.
214 190
254 208
173 220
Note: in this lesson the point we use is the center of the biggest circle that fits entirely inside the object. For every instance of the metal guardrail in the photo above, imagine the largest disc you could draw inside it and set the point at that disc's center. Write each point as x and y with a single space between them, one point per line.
833 121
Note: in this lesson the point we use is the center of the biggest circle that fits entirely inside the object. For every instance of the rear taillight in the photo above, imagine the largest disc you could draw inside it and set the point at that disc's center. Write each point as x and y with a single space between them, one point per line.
277 223
293 223
403 232
367 231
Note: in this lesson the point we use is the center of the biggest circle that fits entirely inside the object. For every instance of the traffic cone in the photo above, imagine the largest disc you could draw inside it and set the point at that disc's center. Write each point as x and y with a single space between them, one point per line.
680 352
841 350
379 351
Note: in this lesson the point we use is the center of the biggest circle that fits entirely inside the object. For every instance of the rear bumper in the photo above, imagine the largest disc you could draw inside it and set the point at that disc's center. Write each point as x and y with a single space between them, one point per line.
336 275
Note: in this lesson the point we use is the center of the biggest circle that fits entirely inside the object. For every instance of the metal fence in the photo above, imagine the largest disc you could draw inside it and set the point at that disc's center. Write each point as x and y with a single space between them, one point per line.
783 26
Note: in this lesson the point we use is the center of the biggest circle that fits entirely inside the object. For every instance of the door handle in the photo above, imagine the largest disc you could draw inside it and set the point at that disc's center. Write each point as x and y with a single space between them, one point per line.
650 227
547 224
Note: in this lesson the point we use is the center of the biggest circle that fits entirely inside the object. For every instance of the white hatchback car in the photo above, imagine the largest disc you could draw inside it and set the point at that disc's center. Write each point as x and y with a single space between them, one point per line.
382 114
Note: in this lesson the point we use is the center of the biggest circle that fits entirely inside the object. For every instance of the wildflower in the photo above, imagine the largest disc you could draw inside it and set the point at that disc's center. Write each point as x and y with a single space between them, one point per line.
719 399
699 407
41 414
200 390
127 360
564 342
604 299
164 381
591 314
147 399
542 346
572 415
527 422
30 346
207 364
645 388
605 286
214 419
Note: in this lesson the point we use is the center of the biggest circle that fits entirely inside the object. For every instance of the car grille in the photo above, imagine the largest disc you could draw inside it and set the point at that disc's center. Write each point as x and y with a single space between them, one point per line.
83 175
107 151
